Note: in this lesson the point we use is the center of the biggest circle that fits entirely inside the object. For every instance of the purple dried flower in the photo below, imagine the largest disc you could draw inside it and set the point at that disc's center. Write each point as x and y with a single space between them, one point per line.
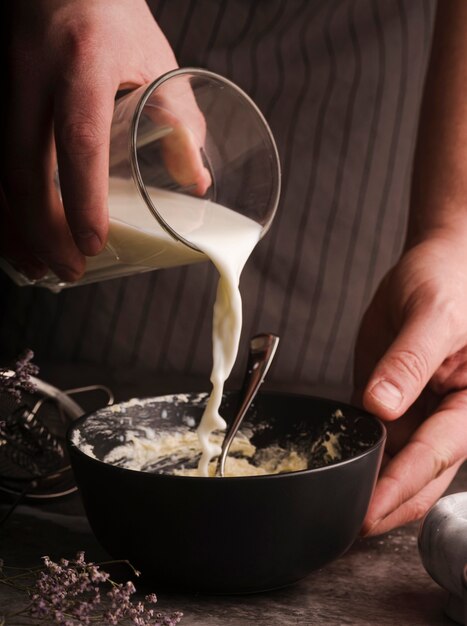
67 593
167 620
16 381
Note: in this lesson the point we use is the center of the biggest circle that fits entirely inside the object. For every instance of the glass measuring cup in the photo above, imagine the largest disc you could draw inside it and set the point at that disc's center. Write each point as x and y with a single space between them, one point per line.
189 143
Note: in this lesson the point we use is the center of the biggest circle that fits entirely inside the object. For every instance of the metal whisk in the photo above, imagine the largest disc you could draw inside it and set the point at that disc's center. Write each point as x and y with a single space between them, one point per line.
33 457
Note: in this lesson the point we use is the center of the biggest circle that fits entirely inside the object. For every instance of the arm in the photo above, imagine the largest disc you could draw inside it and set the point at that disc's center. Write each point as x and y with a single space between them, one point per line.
411 356
439 184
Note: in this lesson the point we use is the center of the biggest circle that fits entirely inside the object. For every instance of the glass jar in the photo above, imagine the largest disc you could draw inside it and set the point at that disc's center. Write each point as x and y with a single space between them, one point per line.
183 149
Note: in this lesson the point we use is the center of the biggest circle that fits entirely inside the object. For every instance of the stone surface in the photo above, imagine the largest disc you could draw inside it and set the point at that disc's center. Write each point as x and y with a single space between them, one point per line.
379 581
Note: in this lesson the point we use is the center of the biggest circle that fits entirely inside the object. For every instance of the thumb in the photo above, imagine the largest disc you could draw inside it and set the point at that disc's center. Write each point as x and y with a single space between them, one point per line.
422 344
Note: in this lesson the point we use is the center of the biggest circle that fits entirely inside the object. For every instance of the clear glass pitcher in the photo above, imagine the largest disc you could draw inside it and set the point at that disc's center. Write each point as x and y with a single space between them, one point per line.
188 145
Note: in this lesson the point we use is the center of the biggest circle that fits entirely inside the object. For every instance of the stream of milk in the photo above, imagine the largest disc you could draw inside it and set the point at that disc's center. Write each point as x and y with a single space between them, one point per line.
227 238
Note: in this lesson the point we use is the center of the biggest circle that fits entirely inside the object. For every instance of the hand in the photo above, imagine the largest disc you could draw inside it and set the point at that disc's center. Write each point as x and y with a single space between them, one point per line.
68 60
411 371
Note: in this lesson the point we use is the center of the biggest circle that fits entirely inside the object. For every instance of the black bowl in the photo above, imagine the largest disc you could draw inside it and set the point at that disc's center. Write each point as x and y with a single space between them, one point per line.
229 535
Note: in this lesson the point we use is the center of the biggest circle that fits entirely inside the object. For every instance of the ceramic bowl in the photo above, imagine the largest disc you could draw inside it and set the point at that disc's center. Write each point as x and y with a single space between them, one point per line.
236 534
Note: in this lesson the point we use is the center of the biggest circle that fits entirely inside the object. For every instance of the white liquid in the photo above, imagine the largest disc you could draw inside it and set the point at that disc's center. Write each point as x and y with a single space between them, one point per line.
226 238
229 253
136 239
137 242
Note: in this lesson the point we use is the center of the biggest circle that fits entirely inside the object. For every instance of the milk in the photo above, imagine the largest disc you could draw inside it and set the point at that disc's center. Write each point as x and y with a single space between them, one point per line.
228 242
137 242
227 238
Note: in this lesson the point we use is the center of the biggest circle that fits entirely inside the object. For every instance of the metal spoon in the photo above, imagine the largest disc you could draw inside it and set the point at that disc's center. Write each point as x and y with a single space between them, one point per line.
262 350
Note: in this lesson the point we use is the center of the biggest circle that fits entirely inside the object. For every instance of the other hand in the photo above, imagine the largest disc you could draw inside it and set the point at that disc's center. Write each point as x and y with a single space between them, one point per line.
411 371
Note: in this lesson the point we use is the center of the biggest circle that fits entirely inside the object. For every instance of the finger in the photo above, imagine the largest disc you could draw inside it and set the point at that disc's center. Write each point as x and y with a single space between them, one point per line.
83 114
173 106
438 445
408 364
413 509
452 375
375 335
400 431
182 156
29 178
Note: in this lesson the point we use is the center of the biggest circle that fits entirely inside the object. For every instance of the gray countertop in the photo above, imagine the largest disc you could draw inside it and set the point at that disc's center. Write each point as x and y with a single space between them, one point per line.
378 581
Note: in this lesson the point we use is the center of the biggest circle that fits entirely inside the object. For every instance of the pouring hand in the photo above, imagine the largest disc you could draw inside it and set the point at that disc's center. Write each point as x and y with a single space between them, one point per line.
411 371
67 61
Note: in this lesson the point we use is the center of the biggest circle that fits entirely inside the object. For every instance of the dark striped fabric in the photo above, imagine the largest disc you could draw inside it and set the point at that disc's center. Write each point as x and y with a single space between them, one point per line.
340 84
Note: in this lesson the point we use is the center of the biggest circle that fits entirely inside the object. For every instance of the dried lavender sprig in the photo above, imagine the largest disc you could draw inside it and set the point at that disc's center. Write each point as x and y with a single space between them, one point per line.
19 381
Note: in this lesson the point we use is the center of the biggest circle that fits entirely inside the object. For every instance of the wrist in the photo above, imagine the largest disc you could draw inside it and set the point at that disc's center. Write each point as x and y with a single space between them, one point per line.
445 220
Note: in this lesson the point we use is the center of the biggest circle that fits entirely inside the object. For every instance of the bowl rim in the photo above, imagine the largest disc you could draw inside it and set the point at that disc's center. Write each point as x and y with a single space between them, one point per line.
73 447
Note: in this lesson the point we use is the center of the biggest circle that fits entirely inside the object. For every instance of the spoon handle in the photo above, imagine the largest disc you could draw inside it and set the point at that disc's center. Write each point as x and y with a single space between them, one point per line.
262 350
